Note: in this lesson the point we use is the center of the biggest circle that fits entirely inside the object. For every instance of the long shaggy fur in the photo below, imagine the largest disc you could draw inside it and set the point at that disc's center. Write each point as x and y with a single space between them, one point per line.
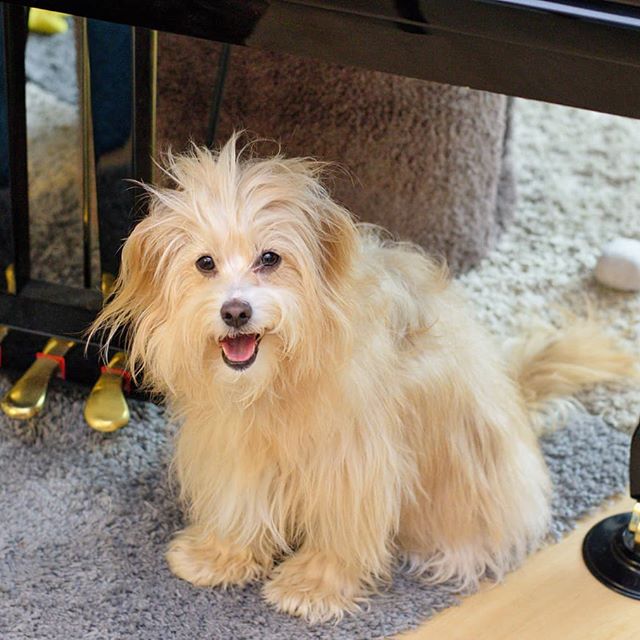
378 418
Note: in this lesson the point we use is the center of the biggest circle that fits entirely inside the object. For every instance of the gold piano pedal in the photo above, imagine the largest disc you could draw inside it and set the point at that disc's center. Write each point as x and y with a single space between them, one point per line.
27 396
106 409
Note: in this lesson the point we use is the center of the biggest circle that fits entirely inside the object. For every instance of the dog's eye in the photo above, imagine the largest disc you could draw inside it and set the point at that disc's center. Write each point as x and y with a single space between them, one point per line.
205 264
269 259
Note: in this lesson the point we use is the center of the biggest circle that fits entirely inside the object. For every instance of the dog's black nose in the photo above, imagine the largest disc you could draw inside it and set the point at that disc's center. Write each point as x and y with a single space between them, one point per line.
235 312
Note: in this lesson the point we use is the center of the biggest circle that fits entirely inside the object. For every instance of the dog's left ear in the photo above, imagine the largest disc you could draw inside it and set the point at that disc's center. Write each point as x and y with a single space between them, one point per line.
333 224
339 236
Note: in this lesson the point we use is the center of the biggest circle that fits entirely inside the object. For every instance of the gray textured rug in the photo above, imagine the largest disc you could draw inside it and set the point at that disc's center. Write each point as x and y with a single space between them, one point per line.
85 520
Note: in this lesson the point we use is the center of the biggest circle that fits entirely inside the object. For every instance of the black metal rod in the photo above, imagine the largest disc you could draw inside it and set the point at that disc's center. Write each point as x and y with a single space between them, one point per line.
15 40
144 99
218 94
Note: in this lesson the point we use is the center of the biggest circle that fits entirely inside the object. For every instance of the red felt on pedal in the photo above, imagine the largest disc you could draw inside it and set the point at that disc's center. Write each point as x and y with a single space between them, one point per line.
62 367
123 373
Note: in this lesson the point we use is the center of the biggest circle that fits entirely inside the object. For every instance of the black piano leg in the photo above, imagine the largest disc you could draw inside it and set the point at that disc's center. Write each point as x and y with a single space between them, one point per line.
611 549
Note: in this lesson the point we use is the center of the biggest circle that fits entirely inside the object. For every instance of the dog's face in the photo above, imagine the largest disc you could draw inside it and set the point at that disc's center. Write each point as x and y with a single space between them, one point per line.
236 271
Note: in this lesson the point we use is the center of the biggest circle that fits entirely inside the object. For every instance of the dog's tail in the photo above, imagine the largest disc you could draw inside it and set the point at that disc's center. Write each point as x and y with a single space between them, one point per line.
549 364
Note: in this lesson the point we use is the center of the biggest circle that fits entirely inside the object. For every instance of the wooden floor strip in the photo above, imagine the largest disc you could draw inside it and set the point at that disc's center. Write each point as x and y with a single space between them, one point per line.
551 597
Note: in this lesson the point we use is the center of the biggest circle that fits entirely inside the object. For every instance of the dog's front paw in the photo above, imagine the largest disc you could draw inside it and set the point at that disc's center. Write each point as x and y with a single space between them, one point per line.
207 561
315 587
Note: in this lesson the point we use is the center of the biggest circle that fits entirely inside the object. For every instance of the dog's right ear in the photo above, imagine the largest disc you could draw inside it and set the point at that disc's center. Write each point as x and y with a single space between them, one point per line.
137 268
134 305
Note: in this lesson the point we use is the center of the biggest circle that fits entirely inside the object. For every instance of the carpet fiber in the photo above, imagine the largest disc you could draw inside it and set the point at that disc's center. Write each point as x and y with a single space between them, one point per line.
578 182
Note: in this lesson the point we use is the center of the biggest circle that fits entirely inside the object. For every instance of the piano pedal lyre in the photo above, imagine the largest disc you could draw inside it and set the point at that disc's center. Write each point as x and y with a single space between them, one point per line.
106 409
27 396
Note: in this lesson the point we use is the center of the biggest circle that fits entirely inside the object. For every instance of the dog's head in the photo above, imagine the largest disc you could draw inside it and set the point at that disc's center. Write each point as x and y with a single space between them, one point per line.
238 271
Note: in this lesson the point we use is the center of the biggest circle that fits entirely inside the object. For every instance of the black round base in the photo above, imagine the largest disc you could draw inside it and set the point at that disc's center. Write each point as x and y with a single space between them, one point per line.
609 553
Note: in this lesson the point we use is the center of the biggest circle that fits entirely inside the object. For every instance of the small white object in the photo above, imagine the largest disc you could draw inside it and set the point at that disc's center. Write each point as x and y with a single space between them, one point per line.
619 265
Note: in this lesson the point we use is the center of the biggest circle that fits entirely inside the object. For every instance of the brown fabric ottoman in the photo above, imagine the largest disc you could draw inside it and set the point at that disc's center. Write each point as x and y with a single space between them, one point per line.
428 161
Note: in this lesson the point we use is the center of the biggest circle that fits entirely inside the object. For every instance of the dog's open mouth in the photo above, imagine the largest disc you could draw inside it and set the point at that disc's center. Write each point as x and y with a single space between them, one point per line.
240 351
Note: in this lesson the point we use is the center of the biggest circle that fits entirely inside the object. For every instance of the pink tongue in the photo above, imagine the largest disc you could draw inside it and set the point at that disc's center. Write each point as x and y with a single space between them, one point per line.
240 348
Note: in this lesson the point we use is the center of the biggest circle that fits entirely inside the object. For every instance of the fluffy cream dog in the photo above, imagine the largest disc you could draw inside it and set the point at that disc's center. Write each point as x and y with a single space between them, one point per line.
339 405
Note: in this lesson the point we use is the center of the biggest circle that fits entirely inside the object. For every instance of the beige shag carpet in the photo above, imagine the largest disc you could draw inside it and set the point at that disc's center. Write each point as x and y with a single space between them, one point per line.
578 179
